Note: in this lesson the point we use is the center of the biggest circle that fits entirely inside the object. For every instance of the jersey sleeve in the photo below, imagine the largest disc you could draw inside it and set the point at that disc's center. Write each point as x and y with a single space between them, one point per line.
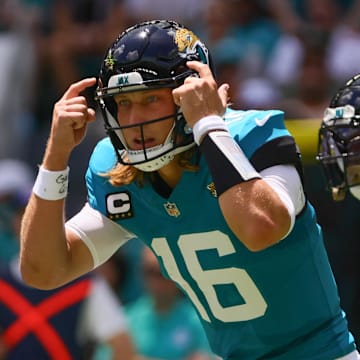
101 161
101 235
266 141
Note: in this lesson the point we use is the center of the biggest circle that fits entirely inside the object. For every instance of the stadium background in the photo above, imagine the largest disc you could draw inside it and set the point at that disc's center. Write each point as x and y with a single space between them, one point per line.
286 54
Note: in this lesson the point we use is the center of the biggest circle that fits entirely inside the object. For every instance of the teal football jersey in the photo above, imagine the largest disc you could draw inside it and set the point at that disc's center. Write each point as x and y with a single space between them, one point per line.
279 303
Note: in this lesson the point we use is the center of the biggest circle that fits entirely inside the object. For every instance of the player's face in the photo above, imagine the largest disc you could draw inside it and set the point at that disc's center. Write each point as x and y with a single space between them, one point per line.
141 106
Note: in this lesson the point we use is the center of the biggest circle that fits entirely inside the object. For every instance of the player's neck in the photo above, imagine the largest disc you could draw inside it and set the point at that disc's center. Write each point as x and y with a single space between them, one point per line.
171 173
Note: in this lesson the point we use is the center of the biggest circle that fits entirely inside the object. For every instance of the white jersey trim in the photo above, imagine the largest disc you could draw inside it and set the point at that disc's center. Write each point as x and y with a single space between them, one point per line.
352 356
286 182
101 235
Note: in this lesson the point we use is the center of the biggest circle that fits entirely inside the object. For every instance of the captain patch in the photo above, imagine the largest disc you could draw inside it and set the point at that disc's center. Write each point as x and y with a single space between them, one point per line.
118 206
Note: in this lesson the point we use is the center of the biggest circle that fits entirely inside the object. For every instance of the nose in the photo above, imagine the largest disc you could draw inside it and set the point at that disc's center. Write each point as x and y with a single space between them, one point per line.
132 116
136 115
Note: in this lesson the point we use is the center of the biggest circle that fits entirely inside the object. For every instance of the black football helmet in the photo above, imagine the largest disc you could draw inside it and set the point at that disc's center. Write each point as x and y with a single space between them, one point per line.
149 55
339 141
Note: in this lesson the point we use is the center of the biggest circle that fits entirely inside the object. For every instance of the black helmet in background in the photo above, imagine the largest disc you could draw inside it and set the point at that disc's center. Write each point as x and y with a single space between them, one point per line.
339 141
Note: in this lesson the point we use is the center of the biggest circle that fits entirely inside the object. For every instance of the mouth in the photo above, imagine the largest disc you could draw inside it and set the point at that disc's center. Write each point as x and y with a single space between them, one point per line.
139 143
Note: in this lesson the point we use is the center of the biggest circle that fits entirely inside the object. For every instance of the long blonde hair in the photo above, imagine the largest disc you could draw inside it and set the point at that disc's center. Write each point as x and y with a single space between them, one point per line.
125 174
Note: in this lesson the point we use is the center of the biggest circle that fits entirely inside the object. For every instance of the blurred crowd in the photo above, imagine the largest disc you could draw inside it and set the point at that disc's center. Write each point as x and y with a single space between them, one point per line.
285 54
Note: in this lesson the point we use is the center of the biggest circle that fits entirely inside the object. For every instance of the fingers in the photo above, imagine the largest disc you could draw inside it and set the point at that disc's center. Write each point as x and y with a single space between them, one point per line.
73 112
90 114
75 89
202 69
200 96
76 114
73 105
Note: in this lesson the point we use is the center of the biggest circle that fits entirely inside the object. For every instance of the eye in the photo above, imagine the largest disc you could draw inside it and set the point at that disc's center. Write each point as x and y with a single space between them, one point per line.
151 98
123 102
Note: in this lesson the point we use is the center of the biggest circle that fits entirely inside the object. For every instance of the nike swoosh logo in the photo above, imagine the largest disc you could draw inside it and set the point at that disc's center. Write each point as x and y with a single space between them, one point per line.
262 121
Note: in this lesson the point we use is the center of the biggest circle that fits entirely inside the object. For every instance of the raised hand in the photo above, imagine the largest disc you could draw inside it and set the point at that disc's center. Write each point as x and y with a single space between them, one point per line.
71 116
200 96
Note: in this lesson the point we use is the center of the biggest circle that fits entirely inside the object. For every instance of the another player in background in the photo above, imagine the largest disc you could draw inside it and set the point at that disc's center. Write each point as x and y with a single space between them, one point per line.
162 315
339 141
216 194
339 155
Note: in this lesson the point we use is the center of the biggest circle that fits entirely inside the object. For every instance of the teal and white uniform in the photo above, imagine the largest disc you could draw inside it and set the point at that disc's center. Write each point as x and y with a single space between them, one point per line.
279 303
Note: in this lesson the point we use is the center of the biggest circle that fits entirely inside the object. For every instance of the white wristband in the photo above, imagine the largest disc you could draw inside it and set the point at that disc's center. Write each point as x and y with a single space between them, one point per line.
51 185
207 124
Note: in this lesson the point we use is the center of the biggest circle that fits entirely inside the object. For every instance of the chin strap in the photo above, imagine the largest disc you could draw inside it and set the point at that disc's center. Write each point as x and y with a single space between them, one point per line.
159 162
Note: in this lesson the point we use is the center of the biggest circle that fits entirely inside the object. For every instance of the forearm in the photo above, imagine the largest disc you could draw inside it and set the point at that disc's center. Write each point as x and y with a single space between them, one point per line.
44 247
44 252
48 256
252 209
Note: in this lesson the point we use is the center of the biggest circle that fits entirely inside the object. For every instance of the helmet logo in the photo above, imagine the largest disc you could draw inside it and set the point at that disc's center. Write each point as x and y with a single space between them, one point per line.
185 39
131 78
123 80
342 114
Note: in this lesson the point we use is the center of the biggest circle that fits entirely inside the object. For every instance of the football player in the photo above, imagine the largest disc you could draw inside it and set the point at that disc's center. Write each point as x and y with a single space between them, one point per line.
339 141
217 194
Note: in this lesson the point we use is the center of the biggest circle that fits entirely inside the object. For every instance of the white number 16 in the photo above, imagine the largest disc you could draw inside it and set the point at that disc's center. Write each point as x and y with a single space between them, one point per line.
254 304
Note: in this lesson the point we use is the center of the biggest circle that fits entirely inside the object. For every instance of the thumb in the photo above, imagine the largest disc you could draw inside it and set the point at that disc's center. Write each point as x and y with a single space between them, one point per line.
223 92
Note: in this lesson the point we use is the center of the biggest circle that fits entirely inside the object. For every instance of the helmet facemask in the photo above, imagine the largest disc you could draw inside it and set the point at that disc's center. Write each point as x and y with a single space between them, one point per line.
153 158
150 55
339 150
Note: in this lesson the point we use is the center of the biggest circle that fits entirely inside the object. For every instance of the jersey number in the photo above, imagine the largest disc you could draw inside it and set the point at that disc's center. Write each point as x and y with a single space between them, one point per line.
254 304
